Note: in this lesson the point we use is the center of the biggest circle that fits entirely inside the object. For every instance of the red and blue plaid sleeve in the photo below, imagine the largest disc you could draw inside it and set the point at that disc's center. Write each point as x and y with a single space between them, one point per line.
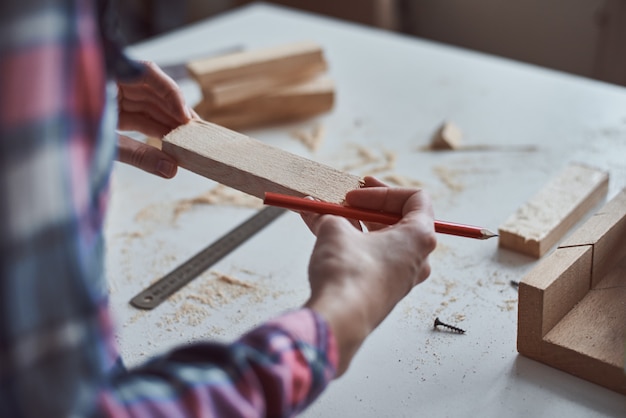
57 350
276 370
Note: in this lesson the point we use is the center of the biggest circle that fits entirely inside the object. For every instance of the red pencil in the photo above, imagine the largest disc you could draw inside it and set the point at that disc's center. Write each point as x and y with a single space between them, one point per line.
365 215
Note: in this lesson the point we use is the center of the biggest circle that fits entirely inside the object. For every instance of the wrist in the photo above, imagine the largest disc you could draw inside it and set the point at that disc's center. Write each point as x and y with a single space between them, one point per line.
348 318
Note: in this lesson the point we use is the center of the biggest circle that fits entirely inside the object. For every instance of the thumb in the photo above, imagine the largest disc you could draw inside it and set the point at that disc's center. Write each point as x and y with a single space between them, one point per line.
146 157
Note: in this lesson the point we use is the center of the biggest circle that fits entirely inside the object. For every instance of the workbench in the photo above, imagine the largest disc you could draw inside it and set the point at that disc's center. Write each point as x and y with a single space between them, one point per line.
393 92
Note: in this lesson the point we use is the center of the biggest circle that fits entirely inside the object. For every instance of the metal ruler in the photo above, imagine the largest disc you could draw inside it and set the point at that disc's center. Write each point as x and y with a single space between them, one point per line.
168 285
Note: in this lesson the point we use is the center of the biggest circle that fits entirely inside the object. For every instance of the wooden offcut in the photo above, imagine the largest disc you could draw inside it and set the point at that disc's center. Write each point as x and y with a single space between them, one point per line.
252 166
240 76
292 103
542 221
447 137
571 305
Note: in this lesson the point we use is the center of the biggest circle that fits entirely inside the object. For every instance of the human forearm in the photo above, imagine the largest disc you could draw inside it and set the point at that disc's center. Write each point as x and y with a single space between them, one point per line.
276 370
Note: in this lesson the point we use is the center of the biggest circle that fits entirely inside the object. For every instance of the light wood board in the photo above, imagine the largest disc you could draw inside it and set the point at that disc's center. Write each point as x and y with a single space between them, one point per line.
252 166
543 220
287 104
237 77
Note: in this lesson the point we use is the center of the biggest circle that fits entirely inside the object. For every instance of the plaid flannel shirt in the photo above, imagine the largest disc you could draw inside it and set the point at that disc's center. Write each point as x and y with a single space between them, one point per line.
57 351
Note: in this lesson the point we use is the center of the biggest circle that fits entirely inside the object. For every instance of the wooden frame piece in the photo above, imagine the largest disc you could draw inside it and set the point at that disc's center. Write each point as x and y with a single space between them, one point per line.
291 103
252 166
572 312
542 221
240 76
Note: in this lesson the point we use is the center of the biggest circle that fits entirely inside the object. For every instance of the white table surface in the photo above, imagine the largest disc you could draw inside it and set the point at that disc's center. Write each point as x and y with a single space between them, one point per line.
392 93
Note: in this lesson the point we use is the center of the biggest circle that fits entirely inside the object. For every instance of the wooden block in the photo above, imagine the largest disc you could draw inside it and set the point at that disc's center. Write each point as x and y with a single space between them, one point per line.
252 166
549 292
570 322
589 341
606 231
540 223
240 76
221 95
288 104
447 137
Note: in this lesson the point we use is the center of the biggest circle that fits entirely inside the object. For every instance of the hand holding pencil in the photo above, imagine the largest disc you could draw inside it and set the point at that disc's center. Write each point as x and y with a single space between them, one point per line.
356 279
369 215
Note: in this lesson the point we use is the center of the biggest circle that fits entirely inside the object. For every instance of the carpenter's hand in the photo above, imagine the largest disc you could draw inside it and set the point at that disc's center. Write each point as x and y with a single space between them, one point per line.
357 278
152 105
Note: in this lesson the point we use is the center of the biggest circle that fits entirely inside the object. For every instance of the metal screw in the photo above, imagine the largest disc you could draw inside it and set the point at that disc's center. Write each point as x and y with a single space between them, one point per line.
448 326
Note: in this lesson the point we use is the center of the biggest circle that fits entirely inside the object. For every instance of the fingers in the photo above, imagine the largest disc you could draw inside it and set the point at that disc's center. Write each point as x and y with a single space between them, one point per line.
166 89
154 105
141 123
146 157
313 221
149 109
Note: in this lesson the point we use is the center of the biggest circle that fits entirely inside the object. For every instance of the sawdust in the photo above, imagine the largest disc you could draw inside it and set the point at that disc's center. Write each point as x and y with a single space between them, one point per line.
459 317
196 302
311 139
449 178
509 305
387 163
402 181
219 195
364 158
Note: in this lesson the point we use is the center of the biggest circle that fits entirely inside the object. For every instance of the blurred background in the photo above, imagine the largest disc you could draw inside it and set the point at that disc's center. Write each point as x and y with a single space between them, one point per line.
583 37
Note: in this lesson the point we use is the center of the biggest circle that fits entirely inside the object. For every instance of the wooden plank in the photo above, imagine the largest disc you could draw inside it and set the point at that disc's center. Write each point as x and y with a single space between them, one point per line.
240 76
288 104
282 59
224 94
548 292
542 221
252 166
606 231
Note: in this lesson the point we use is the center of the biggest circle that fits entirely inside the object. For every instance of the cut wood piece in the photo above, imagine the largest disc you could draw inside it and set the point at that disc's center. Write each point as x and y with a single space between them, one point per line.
254 167
447 137
606 231
582 335
540 223
589 341
223 94
301 101
237 77
549 291
283 59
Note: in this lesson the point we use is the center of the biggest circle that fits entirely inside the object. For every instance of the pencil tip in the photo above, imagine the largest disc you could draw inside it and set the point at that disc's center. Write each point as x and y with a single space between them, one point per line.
488 234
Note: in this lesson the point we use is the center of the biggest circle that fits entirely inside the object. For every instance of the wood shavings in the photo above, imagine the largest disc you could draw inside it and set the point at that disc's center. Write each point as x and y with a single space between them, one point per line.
311 139
219 195
372 162
234 281
449 178
196 301
509 305
389 163
402 181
